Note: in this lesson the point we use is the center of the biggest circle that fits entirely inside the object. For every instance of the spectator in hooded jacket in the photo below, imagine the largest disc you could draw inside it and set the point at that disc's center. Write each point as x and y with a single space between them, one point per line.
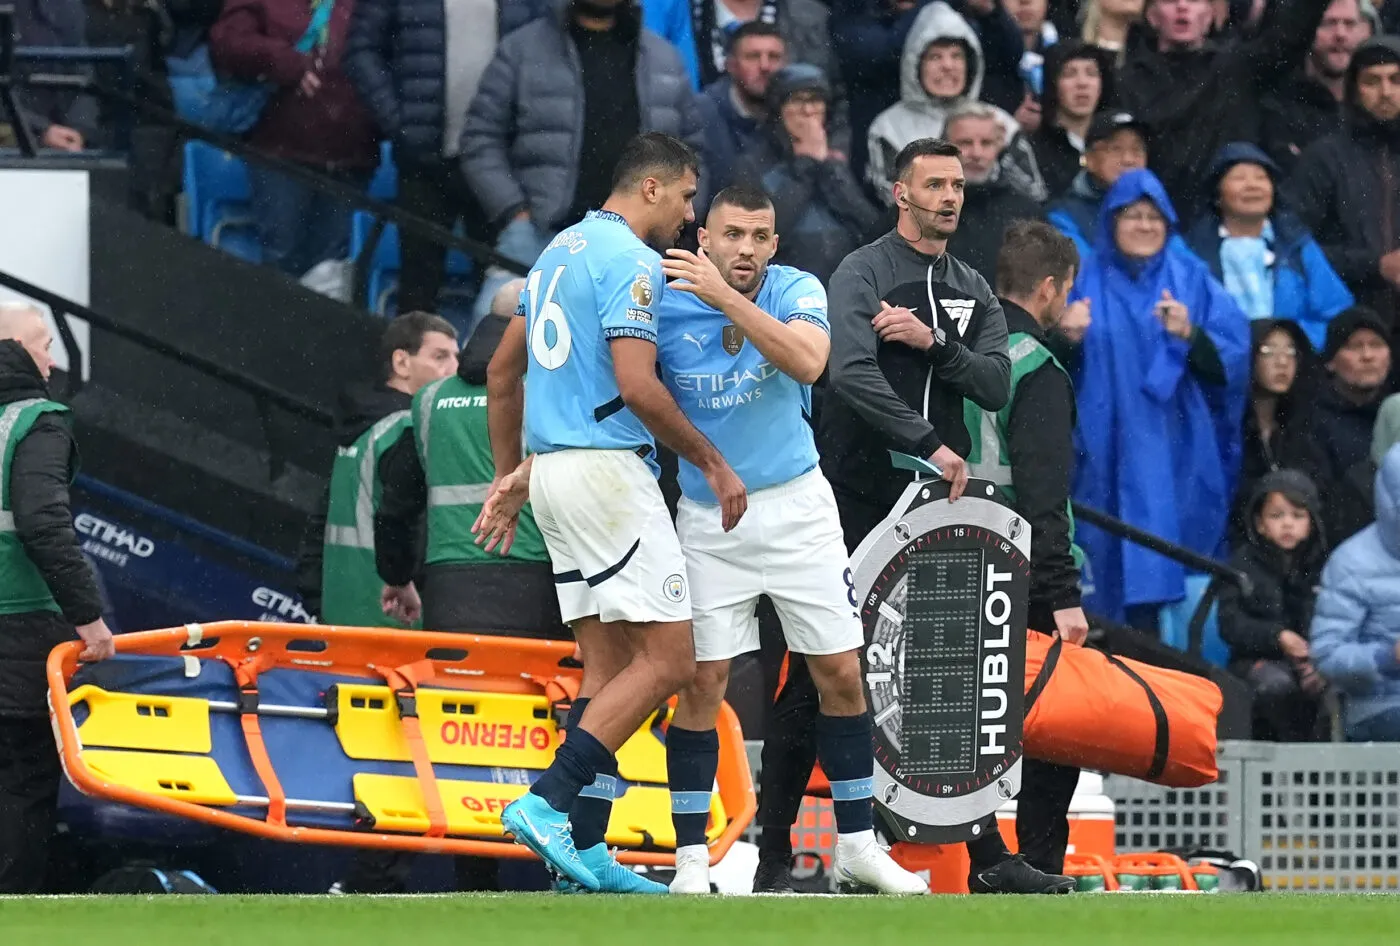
734 109
942 68
557 104
1268 262
1309 105
1115 144
1267 629
1277 421
1351 501
1196 96
989 204
314 119
820 206
1077 83
868 37
1162 377
1344 185
1358 361
1355 639
417 64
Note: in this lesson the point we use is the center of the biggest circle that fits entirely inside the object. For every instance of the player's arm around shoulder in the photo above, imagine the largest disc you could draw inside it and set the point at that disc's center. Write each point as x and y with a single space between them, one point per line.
631 296
795 339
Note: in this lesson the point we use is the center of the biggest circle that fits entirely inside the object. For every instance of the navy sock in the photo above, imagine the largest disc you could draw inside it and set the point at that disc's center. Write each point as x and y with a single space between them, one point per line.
692 757
846 753
593 808
576 764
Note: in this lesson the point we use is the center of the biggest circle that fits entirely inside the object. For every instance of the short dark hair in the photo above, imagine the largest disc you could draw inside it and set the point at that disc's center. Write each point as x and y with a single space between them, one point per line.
406 333
1030 251
746 30
653 154
923 148
743 196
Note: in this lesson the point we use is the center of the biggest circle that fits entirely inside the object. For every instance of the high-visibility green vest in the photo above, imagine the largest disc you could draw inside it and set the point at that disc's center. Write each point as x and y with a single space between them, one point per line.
454 447
350 583
22 588
990 457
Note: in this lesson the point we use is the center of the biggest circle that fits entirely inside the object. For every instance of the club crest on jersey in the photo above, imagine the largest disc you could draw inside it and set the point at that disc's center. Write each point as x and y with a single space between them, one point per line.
674 587
641 290
960 311
732 339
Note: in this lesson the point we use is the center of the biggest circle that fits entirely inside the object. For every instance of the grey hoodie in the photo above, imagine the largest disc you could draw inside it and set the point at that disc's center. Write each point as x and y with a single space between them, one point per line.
919 115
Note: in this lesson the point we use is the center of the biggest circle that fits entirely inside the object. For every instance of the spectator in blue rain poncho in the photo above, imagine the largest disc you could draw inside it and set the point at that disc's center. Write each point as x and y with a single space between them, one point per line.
1162 373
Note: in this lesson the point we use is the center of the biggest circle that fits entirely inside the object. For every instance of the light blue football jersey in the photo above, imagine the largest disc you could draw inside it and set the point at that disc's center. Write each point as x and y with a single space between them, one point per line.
594 282
755 415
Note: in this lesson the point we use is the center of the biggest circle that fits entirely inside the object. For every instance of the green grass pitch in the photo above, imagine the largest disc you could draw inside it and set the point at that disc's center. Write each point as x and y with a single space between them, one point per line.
1086 920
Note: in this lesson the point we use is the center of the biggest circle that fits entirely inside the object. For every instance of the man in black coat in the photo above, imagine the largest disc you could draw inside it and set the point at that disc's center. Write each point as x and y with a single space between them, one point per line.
990 204
417 64
46 592
1197 95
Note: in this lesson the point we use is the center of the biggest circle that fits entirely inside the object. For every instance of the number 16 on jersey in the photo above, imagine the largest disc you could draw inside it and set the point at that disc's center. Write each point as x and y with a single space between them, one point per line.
550 340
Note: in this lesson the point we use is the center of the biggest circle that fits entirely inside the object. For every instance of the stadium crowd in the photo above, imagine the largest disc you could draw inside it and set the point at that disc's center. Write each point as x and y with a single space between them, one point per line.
1228 170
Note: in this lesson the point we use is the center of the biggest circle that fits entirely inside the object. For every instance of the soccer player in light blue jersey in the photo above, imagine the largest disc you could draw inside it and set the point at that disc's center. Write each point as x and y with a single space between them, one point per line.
741 343
584 340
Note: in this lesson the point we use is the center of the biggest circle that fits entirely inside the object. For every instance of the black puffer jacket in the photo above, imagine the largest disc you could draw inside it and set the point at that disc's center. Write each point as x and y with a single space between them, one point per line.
1346 190
40 470
1284 584
396 57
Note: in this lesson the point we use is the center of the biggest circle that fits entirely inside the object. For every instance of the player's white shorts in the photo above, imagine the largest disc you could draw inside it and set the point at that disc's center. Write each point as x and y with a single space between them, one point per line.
609 536
789 546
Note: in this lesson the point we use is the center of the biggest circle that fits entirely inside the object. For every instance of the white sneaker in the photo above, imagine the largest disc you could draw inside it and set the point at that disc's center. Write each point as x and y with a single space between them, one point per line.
862 866
692 869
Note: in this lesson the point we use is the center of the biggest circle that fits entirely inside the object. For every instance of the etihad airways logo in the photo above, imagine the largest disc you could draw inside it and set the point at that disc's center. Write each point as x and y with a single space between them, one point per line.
729 389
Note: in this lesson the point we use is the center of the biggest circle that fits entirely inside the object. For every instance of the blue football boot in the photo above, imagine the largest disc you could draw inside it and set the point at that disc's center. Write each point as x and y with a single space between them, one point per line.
548 833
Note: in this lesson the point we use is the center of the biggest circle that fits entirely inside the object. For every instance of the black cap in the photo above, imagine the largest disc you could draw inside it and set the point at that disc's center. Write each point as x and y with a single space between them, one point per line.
1348 323
1108 124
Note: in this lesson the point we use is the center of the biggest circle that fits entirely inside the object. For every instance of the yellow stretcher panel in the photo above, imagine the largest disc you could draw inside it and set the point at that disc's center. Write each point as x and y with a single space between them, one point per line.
189 778
134 721
483 729
641 815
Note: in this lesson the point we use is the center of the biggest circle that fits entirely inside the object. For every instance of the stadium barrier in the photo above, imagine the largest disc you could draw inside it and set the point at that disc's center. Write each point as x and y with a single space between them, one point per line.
358 737
1314 816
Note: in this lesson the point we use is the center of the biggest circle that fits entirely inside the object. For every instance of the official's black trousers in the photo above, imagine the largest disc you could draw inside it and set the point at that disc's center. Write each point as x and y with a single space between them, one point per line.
789 753
29 778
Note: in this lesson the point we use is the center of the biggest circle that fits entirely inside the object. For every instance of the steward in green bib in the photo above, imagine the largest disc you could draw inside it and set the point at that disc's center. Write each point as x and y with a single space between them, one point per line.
1027 449
336 575
442 468
48 594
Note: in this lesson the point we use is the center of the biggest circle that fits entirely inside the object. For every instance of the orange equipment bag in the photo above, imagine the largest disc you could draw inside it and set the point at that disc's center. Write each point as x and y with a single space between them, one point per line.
1095 711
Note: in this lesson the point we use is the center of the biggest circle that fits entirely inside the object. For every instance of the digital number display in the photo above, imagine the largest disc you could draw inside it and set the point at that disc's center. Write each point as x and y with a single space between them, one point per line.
941 653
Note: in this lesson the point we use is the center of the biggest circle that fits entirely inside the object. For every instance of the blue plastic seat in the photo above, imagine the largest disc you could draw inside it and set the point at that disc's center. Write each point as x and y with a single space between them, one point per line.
383 279
1176 623
385 183
219 196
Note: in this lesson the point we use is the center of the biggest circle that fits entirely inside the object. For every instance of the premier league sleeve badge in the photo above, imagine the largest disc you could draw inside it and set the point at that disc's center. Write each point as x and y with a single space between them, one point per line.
942 590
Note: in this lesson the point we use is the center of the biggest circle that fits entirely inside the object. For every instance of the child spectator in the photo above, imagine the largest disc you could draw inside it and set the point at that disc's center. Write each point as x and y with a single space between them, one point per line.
1267 629
1356 625
1276 423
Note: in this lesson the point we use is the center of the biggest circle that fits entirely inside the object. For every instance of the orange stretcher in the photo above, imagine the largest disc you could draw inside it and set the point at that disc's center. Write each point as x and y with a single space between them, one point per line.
359 737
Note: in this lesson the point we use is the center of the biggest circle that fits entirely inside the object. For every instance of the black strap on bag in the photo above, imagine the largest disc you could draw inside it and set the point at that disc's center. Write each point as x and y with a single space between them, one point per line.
1159 712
